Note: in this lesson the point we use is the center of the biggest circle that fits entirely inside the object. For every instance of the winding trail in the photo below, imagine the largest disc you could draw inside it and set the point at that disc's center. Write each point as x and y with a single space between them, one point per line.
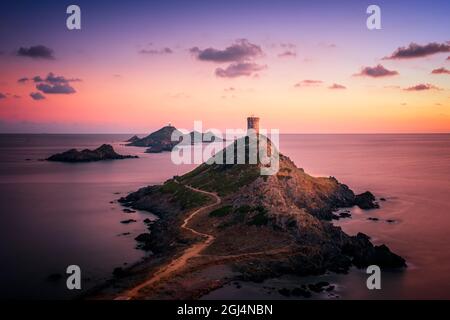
189 253
179 262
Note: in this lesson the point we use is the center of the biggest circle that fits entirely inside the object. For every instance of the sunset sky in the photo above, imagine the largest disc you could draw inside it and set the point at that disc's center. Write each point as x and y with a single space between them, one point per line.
302 66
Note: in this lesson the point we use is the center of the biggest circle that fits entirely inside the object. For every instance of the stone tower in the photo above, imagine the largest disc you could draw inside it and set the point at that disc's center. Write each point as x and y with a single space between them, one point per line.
253 123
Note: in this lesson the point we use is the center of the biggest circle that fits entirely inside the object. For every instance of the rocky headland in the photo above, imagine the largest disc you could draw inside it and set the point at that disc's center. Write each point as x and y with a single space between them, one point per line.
251 227
104 152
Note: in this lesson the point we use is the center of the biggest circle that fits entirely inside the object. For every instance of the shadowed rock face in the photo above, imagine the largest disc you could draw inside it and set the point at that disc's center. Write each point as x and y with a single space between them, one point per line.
104 152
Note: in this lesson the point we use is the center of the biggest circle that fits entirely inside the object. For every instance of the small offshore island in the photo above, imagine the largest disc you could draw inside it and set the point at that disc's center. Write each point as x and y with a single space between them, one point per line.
104 152
250 227
161 140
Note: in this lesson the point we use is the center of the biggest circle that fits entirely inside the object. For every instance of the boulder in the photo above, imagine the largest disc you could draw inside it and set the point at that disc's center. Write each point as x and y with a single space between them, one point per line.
366 200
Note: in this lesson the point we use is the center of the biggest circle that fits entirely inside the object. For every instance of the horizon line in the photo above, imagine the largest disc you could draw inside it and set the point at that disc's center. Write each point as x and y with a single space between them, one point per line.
287 133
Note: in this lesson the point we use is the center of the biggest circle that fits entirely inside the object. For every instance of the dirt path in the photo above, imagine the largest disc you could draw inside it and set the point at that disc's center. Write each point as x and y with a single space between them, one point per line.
193 251
189 253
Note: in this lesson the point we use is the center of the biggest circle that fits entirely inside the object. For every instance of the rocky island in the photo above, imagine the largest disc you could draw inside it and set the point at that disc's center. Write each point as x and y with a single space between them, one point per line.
157 141
104 152
250 227
161 140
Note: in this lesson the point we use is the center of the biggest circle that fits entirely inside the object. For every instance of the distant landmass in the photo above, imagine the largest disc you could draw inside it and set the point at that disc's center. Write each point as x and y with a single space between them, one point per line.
258 227
161 140
104 152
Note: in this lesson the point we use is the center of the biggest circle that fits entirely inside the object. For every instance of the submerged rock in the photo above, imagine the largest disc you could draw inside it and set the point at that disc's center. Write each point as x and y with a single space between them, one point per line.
127 221
104 152
366 200
143 237
345 214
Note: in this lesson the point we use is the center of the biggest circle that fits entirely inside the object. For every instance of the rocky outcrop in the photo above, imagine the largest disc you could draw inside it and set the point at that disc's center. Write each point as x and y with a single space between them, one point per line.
364 253
366 200
158 141
133 139
104 152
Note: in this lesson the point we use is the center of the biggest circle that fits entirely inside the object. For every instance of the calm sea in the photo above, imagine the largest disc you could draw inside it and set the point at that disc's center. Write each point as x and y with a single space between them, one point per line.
56 214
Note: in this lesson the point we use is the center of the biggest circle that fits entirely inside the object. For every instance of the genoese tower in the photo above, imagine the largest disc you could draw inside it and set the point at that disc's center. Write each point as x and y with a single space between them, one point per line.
253 123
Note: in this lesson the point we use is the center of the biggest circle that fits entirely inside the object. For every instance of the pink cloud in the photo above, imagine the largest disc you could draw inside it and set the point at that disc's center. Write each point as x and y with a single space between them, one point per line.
376 72
440 71
337 86
308 83
422 87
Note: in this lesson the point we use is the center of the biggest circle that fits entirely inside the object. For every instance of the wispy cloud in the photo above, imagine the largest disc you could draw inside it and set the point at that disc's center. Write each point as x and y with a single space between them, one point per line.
287 54
37 96
337 86
52 84
36 52
239 69
288 45
156 51
415 50
422 87
440 71
55 88
376 72
327 45
50 78
308 83
289 50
